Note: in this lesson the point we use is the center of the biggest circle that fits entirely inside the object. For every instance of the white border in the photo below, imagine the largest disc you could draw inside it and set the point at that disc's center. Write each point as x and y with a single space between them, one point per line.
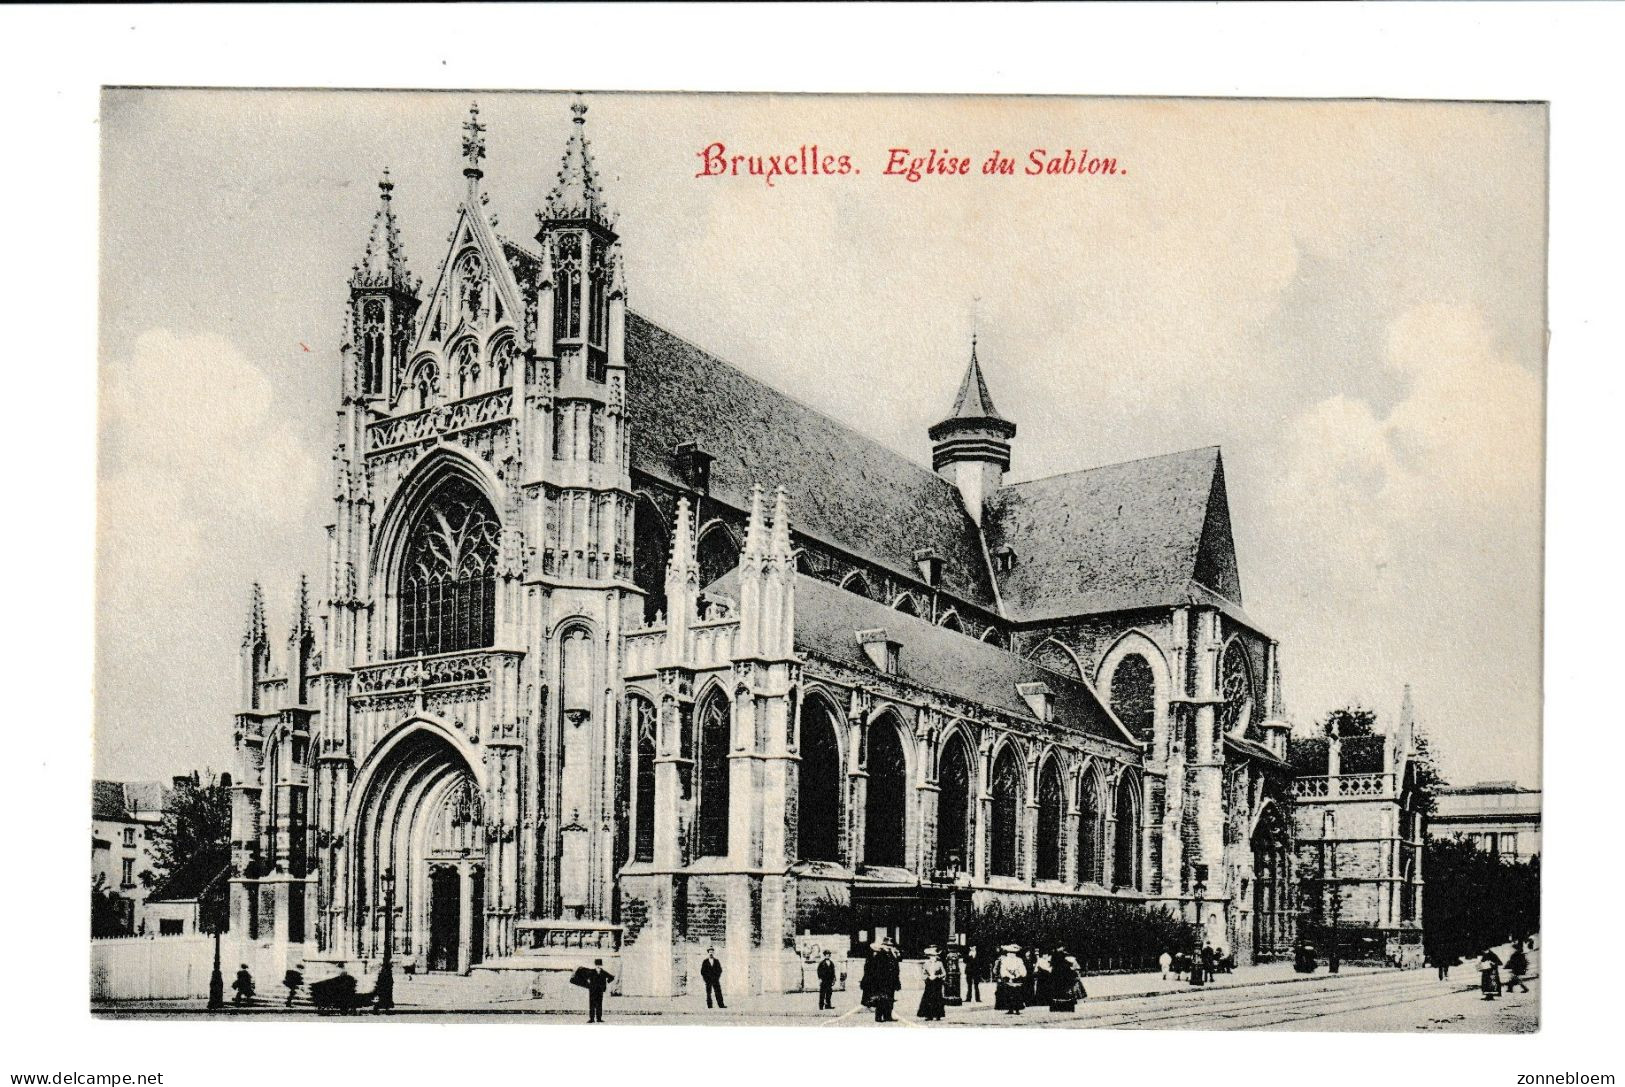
52 64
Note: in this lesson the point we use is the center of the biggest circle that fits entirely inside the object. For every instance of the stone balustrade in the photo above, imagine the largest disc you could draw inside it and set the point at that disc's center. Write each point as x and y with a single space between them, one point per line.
473 411
543 937
1344 787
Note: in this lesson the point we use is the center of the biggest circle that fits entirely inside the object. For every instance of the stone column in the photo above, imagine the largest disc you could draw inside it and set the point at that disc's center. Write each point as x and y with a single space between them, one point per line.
465 917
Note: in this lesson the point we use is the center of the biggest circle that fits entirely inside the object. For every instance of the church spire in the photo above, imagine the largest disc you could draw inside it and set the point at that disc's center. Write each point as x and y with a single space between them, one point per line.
575 195
383 263
255 634
971 447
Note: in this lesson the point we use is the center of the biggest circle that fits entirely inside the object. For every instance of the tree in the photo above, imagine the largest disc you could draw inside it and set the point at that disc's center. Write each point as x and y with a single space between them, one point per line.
1429 777
107 913
1350 721
1477 900
196 828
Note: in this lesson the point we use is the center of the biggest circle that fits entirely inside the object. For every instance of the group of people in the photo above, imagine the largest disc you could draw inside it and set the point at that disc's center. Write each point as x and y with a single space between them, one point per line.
1489 971
1201 966
1027 976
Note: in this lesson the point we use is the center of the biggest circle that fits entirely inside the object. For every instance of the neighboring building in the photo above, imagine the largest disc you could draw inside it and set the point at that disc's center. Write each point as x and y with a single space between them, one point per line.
1496 816
175 906
124 820
1360 816
574 685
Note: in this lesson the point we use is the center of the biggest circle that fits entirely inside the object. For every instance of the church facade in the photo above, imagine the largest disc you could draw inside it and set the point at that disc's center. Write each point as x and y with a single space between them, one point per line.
619 651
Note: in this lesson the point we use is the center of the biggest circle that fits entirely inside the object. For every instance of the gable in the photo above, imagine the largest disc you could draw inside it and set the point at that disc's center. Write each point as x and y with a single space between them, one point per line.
1106 539
441 323
1216 553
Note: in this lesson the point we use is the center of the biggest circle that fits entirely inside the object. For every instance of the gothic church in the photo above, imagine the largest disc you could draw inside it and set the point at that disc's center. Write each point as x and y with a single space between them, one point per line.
621 652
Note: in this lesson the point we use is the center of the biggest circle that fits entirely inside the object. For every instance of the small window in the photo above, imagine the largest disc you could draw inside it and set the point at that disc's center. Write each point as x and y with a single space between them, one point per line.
171 926
129 871
129 836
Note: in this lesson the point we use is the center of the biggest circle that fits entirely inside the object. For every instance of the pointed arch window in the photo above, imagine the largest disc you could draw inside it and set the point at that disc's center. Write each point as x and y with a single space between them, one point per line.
818 810
471 287
1134 695
372 347
447 587
502 362
954 807
1006 813
643 801
856 583
714 735
567 301
468 370
885 804
1236 689
1051 807
1091 832
651 548
1126 851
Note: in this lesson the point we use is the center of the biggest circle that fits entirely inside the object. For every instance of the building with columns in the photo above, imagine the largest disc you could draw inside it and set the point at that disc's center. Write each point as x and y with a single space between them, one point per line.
621 652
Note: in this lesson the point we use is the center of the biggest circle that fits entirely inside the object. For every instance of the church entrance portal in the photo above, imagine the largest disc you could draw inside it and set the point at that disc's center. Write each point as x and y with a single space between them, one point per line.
423 818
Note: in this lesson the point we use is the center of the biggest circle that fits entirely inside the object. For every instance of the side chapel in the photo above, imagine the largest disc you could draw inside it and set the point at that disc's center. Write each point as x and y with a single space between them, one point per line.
620 651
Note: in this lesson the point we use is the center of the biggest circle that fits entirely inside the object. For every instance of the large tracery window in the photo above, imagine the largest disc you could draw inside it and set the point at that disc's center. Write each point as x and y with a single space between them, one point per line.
372 347
1126 849
1050 811
886 803
1006 813
1091 831
1236 688
1134 695
818 810
447 590
567 304
954 807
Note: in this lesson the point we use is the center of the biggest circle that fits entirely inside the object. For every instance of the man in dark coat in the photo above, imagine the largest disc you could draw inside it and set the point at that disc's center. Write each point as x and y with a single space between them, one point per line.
826 982
881 979
973 974
597 981
242 986
711 974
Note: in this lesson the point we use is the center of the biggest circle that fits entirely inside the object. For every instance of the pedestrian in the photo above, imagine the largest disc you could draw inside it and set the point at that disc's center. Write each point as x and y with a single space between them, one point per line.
1221 961
932 1008
973 974
292 979
711 974
1489 974
1210 962
598 980
1043 969
1517 967
881 980
826 982
243 986
1029 986
1165 962
1182 963
1010 977
1065 982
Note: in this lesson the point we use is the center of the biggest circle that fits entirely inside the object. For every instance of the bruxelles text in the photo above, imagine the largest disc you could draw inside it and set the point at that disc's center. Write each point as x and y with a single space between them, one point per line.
810 160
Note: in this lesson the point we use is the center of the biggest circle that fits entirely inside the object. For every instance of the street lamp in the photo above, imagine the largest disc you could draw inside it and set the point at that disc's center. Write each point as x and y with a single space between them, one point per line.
384 988
217 981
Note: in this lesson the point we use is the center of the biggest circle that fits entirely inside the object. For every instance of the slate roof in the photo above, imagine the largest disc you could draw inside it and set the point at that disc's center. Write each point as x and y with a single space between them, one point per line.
1146 533
828 619
122 801
107 801
846 489
974 403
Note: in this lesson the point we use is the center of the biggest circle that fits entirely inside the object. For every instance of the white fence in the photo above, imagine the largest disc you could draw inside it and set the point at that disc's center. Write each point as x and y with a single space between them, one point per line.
176 967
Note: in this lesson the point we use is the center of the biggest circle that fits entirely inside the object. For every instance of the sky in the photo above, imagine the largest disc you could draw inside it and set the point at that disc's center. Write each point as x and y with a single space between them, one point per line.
1348 298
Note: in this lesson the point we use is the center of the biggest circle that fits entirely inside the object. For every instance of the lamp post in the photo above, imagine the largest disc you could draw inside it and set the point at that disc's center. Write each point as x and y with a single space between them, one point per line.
384 988
1199 890
217 981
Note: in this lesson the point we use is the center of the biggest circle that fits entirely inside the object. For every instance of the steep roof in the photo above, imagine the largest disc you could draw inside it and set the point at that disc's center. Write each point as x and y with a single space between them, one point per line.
974 402
107 801
123 801
849 490
1146 533
576 193
828 619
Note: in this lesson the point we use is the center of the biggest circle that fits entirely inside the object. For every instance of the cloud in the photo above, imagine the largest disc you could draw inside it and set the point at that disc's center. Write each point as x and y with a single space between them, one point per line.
197 464
1415 541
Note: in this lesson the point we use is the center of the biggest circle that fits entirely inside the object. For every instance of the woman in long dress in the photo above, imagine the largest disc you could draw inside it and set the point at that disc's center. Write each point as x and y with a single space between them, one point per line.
1010 974
932 1007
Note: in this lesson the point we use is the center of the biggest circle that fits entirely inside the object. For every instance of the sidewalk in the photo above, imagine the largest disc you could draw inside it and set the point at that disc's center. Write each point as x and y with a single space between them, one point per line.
770 1006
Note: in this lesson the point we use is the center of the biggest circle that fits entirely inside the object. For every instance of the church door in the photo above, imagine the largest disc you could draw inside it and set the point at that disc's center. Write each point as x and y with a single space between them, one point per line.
444 920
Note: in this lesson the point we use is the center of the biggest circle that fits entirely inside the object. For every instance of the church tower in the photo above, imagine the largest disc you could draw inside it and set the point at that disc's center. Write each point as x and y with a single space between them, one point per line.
971 447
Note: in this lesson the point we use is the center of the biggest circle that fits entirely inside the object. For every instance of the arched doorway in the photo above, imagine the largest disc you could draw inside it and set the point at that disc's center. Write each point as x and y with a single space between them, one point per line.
421 819
1272 880
885 807
818 811
954 806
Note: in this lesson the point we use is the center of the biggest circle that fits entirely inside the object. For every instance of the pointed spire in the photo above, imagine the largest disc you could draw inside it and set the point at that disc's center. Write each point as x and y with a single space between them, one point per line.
1407 710
383 264
683 554
778 547
755 531
576 195
301 610
974 401
256 617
